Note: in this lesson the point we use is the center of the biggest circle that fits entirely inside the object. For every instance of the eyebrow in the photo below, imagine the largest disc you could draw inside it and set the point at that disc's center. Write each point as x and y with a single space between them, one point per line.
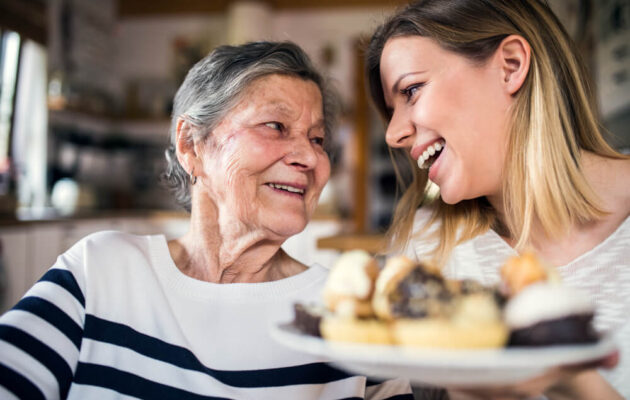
278 106
401 77
320 124
281 107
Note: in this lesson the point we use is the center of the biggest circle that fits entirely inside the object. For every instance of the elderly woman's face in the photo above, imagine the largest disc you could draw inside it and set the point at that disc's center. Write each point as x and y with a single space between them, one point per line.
264 164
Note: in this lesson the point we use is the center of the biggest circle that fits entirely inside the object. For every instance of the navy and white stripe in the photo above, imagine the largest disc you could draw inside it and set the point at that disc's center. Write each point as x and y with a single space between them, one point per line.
51 347
44 312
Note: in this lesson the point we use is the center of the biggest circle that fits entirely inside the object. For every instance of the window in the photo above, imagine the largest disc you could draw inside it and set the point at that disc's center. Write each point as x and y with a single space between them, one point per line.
9 62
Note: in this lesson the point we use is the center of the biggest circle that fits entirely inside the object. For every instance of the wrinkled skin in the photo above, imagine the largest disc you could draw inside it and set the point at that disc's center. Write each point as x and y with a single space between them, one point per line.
239 216
272 136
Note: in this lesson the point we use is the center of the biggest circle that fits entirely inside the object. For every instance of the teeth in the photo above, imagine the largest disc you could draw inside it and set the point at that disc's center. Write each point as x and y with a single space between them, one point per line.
430 151
287 188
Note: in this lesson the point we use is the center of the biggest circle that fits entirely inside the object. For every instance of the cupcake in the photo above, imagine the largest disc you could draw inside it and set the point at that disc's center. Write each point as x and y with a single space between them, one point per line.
545 314
347 296
426 310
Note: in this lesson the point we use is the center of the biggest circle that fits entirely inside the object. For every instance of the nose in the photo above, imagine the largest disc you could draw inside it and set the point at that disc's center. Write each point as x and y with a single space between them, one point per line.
301 153
400 131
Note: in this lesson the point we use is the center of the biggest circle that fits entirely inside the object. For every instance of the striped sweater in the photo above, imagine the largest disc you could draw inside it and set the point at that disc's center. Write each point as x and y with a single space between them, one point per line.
115 318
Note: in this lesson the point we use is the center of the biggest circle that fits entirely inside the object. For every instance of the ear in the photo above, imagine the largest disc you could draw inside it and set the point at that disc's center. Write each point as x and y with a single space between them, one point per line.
185 146
514 56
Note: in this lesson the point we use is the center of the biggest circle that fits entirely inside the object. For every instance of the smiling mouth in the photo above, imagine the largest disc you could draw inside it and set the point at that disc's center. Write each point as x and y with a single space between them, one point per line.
431 154
287 188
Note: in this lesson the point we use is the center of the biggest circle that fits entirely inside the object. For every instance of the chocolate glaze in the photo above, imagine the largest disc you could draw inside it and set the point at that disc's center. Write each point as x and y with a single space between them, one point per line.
425 294
421 294
469 286
307 319
573 329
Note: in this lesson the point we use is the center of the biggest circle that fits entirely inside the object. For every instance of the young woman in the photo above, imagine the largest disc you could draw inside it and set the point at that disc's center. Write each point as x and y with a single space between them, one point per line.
490 102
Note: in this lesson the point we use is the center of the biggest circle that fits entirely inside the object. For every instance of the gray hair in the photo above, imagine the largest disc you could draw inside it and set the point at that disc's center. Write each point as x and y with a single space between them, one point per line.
216 84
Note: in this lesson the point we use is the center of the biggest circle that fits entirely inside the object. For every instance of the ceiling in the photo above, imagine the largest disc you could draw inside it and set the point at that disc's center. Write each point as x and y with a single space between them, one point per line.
139 8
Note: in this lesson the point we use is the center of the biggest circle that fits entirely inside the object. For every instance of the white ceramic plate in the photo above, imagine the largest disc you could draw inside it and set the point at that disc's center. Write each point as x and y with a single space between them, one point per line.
442 367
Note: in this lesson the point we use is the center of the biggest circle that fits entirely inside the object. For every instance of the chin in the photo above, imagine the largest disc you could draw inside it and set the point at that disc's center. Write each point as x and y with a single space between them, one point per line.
449 197
455 191
289 227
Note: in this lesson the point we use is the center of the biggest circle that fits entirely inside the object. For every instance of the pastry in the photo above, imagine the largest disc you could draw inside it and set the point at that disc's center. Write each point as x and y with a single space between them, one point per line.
545 314
356 330
541 311
307 318
348 296
427 310
412 304
348 290
520 271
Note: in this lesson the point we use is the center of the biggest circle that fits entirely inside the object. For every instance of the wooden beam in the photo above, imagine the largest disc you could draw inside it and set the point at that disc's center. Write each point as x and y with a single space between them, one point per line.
361 141
139 8
302 4
372 243
26 17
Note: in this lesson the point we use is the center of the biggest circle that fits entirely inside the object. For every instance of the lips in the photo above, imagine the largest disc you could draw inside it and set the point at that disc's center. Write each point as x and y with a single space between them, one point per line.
428 157
427 154
288 187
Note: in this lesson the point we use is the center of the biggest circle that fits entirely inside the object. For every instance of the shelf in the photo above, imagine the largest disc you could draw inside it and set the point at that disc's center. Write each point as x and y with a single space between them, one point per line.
370 242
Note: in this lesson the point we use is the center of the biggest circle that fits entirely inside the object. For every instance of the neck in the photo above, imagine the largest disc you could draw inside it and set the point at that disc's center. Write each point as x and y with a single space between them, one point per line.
227 251
607 177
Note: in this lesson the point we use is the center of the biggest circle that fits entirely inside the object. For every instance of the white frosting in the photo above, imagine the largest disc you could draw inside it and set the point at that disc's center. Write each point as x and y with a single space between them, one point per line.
545 301
348 276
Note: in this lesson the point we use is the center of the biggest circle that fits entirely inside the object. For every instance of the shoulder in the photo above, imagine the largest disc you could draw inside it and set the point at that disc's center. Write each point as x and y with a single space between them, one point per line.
110 240
609 178
617 172
108 247
623 179
424 224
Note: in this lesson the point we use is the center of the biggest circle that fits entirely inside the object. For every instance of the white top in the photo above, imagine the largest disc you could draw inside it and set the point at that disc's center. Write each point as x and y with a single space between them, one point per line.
115 318
603 272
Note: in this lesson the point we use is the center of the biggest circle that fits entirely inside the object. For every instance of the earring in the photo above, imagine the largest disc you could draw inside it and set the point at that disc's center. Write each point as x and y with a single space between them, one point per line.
193 178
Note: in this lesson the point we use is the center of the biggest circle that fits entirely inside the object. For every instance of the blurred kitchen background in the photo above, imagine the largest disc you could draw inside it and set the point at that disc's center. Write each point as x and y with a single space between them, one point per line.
85 99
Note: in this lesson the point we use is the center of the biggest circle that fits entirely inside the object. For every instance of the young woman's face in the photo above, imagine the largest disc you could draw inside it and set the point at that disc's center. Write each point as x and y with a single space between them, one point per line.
441 103
264 165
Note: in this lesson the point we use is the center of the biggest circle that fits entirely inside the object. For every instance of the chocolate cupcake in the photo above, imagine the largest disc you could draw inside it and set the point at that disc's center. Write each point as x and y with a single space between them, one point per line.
544 314
307 318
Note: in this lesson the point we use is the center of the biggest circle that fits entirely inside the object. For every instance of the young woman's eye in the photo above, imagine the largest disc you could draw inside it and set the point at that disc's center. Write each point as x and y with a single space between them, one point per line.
274 125
410 91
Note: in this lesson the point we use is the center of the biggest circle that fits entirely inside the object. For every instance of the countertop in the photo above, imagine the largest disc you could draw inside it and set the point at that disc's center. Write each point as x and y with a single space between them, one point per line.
25 217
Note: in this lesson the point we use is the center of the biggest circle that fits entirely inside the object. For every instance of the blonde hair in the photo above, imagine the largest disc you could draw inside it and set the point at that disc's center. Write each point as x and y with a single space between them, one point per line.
552 119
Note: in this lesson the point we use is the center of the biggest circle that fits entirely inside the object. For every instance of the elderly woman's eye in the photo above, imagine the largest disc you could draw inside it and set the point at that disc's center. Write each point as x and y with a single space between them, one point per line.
318 141
274 125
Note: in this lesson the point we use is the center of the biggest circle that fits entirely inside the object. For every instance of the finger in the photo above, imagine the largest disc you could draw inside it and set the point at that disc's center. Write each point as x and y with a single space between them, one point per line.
497 393
608 362
611 361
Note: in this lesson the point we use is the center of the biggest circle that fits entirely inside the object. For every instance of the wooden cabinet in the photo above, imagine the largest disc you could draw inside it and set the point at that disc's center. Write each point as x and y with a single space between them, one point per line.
14 272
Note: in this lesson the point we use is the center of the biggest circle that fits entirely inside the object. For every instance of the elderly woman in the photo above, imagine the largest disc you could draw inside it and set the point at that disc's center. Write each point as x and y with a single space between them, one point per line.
121 316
